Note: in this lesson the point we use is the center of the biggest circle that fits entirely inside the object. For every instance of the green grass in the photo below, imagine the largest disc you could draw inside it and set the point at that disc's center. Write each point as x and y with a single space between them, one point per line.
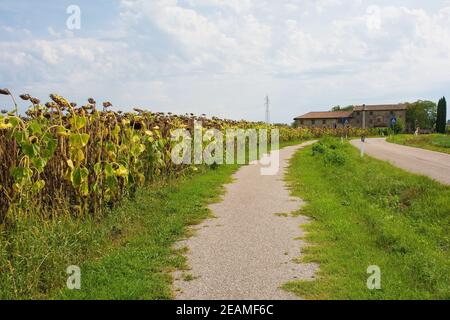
127 254
434 142
140 268
366 212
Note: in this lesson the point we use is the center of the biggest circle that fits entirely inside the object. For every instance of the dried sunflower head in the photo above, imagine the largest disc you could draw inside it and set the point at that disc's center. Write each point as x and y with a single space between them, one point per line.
107 104
91 101
60 101
5 92
137 125
25 96
35 101
51 105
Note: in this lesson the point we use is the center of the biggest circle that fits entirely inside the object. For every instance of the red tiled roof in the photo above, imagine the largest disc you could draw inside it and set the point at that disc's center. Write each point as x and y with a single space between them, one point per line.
348 114
326 115
382 107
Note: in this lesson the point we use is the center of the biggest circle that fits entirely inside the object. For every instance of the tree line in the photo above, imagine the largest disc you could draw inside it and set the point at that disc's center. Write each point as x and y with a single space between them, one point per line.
427 115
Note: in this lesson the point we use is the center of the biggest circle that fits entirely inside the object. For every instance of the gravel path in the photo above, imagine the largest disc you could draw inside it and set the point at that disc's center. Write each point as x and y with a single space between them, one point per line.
430 163
247 250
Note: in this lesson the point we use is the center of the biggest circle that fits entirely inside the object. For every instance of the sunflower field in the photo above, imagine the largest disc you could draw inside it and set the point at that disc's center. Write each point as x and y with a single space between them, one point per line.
60 158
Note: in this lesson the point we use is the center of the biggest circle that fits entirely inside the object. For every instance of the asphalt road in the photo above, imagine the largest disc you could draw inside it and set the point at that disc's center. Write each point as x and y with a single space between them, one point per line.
435 165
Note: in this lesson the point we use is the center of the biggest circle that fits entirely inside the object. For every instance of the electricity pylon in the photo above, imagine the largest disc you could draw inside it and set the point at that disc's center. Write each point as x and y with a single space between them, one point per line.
267 110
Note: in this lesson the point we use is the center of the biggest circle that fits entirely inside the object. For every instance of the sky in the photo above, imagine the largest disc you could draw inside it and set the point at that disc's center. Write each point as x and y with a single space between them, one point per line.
222 57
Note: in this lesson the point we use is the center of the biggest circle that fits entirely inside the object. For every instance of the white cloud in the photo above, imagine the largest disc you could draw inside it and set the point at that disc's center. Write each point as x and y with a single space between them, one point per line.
224 56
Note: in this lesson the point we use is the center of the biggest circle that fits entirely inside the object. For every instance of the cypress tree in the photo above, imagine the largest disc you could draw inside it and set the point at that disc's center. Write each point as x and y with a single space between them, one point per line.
441 116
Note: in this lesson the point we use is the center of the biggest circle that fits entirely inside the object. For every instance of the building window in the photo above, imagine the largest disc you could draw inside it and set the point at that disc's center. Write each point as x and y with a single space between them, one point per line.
324 121
392 113
302 122
371 113
313 122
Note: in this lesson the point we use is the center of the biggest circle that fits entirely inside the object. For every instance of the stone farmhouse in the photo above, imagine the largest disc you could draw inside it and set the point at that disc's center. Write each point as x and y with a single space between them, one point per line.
365 117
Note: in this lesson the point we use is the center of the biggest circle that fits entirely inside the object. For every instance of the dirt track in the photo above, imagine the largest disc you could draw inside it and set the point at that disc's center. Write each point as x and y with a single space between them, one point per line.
247 251
436 165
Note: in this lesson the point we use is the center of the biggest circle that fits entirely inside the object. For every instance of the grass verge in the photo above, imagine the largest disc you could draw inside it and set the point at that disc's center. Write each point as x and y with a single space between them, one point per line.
367 212
434 142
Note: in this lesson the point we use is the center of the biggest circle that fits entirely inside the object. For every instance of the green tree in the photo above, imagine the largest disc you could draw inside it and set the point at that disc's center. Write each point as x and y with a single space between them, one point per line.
336 108
441 116
399 126
339 108
421 113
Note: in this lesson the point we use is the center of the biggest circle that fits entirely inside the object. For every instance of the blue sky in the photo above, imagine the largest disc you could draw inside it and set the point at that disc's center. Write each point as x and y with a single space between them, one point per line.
221 57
